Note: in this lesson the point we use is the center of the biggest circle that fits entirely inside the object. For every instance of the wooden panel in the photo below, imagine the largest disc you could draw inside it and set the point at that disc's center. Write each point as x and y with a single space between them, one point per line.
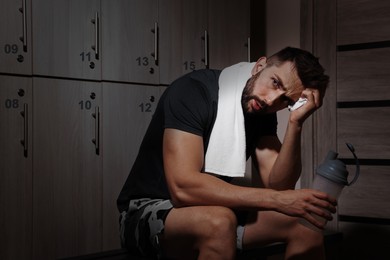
366 129
362 21
15 54
369 195
128 41
15 168
365 241
324 38
67 215
64 36
363 75
306 36
229 29
127 112
182 24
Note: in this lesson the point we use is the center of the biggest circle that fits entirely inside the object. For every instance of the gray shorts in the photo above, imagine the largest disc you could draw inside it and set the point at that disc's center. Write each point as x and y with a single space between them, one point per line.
144 221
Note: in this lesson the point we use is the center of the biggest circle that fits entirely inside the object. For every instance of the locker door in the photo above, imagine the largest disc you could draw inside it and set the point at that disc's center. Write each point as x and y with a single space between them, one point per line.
67 168
183 26
15 40
128 110
229 29
130 41
67 38
15 168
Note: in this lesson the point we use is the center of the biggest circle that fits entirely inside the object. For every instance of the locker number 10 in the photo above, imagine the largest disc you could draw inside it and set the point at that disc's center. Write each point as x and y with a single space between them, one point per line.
85 104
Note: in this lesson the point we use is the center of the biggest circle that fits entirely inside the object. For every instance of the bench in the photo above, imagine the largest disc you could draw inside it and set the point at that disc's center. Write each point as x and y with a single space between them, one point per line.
331 240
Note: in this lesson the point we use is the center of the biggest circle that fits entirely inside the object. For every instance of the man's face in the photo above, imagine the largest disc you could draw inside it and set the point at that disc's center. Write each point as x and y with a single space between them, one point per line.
271 89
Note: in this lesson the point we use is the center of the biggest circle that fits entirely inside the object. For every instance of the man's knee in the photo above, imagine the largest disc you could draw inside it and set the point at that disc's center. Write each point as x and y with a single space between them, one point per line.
221 222
205 231
219 236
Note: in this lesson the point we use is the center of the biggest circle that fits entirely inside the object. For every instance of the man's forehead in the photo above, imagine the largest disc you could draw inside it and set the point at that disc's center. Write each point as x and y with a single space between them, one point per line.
287 74
289 79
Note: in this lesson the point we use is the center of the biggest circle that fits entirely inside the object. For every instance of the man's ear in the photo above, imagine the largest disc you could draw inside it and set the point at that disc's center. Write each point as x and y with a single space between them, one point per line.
260 65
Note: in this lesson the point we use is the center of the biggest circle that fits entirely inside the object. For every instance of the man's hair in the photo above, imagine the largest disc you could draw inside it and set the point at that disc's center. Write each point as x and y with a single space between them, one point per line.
309 70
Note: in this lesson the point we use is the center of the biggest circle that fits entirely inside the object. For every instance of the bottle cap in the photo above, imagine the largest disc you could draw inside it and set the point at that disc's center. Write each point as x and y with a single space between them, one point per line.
333 169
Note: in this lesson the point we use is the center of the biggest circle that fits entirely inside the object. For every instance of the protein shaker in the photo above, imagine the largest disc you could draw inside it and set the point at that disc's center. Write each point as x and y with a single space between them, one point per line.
331 177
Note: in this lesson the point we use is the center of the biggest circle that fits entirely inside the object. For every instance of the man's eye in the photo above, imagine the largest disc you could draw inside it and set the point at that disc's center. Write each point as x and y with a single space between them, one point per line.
275 82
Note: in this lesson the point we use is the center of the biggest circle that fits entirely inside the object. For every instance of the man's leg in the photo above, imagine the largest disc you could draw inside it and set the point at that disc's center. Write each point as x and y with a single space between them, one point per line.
203 232
269 226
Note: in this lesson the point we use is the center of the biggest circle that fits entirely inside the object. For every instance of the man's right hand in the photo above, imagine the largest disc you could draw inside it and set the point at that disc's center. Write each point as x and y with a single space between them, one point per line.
304 203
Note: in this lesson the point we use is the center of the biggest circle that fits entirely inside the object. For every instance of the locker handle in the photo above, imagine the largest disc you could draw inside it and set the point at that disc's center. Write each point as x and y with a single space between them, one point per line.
155 53
23 38
24 141
249 49
206 49
96 140
96 46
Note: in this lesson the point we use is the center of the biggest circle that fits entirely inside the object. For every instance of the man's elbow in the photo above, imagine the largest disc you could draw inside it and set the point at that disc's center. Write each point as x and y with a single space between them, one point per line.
179 197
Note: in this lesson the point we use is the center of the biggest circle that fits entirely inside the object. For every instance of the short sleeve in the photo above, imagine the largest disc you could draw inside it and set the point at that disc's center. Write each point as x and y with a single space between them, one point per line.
188 106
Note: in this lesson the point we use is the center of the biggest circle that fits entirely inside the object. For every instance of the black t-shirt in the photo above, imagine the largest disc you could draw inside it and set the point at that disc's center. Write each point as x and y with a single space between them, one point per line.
189 104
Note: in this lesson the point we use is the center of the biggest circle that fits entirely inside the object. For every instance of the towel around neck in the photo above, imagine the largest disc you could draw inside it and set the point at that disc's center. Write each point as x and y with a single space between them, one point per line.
226 152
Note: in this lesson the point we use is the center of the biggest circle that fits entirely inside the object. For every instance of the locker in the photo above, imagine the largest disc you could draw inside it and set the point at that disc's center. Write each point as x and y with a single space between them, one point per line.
67 168
130 41
15 40
183 38
67 39
128 110
15 167
229 28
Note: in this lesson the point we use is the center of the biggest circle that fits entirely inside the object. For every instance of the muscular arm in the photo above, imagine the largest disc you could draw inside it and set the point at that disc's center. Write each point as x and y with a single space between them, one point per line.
188 186
280 165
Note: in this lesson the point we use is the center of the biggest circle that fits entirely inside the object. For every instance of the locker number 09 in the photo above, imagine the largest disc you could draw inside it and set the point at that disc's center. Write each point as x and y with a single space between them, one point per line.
10 48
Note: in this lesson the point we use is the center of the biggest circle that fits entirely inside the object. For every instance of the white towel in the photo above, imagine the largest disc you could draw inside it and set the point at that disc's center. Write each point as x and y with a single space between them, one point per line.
226 152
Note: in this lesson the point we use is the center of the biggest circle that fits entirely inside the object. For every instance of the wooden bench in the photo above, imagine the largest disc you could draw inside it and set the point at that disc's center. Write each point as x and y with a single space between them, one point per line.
331 240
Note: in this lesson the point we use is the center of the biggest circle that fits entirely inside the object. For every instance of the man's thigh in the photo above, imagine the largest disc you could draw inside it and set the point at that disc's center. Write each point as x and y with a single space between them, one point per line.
185 227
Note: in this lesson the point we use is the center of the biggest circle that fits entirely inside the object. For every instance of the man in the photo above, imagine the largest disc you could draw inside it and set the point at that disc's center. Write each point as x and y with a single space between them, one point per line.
178 202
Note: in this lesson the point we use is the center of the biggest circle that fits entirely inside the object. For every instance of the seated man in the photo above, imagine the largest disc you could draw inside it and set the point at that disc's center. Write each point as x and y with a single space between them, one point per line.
178 202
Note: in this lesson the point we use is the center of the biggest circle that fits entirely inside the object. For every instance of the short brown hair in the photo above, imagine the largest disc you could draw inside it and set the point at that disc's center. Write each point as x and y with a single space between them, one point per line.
309 70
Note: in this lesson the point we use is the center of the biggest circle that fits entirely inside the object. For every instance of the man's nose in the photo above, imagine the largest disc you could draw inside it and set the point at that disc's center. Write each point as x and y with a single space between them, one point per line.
274 97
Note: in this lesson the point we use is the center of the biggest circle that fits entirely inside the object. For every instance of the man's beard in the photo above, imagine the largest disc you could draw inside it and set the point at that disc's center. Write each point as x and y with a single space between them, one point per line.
247 95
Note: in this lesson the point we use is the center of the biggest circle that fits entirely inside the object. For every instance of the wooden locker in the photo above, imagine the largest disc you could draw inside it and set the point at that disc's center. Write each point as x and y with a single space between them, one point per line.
15 40
183 38
127 112
229 31
130 41
15 167
67 219
67 41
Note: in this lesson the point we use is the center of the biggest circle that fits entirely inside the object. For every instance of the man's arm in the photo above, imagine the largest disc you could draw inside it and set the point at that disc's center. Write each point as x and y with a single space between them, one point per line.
280 165
188 186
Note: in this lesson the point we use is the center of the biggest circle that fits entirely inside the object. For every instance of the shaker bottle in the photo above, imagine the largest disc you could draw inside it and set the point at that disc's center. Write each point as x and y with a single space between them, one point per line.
331 177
